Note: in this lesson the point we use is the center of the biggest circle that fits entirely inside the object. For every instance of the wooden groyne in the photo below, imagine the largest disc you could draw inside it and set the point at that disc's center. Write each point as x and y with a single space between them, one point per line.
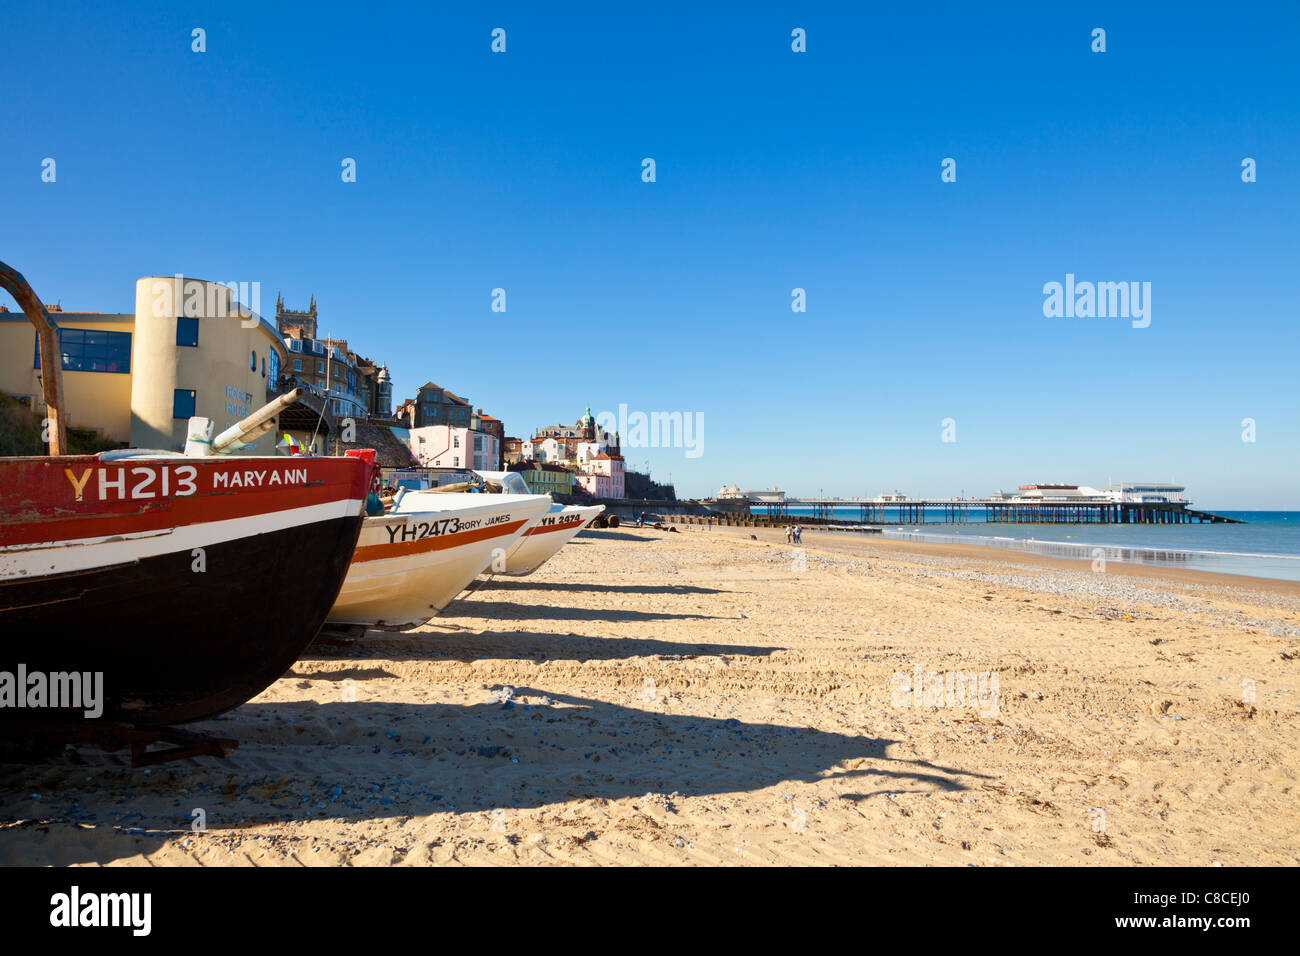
734 520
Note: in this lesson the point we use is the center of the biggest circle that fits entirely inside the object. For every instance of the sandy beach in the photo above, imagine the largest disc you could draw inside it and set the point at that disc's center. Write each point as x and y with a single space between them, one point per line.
717 697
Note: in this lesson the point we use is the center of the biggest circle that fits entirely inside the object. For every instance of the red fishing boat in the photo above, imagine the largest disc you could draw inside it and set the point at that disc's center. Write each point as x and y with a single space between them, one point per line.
189 584
141 589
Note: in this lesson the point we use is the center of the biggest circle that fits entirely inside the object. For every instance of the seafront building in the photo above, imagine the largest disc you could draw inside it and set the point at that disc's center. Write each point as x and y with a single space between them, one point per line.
447 446
543 478
446 431
435 405
355 386
190 349
590 453
136 378
492 431
602 476
1122 493
1150 492
560 443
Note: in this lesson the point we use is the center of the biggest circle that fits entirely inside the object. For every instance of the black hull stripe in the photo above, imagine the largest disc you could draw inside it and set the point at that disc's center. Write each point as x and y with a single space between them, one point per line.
176 645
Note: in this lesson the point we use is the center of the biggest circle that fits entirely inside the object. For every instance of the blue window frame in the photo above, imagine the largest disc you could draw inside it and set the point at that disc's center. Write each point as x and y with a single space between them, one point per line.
187 331
183 403
85 350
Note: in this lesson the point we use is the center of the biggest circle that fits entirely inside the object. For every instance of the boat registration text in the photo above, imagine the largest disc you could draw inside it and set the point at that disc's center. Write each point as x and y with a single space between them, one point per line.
140 482
418 530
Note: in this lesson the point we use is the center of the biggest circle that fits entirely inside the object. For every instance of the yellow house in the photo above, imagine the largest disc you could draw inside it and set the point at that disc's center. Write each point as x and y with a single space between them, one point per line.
96 349
545 479
188 349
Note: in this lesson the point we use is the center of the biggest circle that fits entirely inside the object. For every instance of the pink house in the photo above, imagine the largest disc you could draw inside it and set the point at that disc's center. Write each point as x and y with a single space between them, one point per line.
603 476
445 446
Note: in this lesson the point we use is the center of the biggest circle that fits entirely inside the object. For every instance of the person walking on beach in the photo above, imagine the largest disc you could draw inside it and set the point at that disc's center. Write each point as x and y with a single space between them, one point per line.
708 524
798 534
789 534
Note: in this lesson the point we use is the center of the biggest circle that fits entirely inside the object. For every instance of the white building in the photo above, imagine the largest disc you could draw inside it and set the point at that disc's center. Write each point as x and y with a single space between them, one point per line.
546 450
1146 492
1055 492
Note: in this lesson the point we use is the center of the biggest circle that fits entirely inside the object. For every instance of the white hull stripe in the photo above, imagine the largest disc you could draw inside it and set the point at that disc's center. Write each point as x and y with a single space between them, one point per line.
84 554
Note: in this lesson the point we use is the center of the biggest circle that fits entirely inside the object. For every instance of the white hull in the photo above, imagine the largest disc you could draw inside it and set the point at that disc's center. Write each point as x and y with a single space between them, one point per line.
545 537
409 564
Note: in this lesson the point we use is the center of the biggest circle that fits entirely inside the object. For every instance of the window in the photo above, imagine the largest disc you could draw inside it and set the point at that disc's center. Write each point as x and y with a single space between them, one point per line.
297 365
275 367
252 362
85 350
183 403
320 368
187 331
455 442
263 368
455 462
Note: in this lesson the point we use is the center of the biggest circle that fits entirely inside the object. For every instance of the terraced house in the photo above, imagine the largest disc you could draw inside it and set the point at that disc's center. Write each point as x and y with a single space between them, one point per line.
435 405
543 478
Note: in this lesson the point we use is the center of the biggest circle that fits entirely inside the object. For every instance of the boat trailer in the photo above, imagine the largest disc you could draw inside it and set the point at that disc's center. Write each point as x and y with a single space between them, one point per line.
117 736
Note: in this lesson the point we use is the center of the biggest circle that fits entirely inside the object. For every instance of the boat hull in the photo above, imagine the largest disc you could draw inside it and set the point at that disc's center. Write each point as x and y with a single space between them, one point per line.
412 563
543 540
187 605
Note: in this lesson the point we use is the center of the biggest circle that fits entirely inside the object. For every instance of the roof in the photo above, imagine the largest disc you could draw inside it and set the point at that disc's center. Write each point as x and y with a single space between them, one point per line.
529 464
71 318
446 392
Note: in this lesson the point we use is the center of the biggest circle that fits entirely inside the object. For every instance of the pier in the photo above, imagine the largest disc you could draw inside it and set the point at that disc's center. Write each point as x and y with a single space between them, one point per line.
1007 510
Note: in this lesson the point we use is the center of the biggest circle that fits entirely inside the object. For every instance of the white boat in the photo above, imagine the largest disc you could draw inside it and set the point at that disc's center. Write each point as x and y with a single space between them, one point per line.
540 540
544 538
412 562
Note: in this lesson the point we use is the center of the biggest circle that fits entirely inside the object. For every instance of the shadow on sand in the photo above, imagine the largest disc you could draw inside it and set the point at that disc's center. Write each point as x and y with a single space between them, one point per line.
514 611
600 535
354 762
526 584
469 646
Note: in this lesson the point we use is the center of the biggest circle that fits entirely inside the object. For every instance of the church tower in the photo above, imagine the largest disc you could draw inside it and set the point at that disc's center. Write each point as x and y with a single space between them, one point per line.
286 319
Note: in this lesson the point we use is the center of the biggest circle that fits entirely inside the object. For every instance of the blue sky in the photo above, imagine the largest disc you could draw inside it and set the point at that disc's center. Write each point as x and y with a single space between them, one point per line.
775 170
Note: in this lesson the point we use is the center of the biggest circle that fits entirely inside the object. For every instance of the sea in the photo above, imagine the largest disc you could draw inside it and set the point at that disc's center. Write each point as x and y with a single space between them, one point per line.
1267 545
